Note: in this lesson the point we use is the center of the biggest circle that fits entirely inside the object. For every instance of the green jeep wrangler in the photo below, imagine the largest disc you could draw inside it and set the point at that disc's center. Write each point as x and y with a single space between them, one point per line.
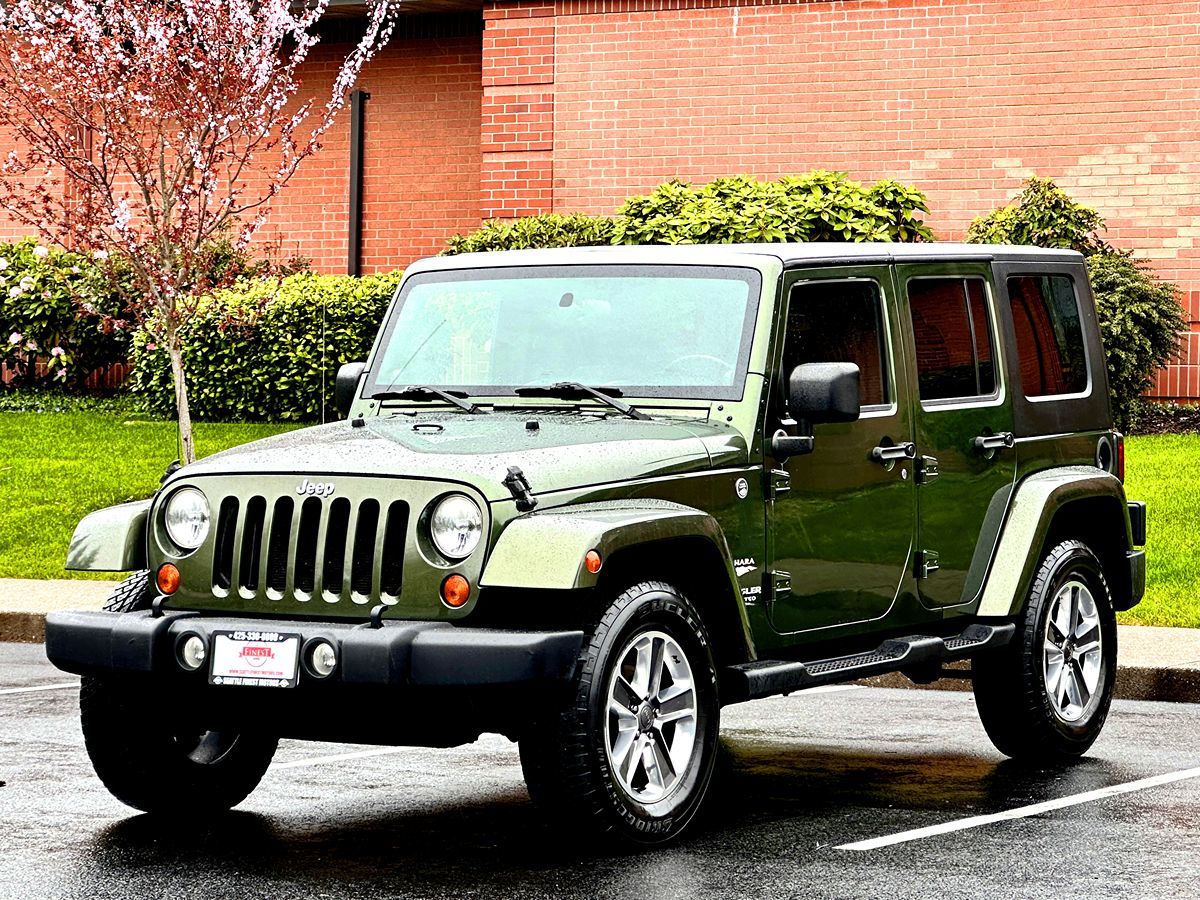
584 498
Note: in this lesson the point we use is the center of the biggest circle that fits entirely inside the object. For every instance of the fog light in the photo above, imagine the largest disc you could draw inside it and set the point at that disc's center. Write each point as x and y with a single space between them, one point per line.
167 578
192 652
322 659
455 591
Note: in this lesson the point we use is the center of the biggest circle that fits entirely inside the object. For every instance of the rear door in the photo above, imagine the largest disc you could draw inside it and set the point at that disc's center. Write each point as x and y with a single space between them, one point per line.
965 463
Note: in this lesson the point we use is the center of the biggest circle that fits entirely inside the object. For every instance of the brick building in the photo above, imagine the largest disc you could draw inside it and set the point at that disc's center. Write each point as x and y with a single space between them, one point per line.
499 109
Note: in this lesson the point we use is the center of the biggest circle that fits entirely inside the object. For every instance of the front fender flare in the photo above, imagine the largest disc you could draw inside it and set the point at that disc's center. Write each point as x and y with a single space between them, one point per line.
112 539
546 550
1036 501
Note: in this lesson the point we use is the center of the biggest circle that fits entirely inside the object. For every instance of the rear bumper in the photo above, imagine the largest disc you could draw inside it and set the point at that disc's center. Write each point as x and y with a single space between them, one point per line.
399 654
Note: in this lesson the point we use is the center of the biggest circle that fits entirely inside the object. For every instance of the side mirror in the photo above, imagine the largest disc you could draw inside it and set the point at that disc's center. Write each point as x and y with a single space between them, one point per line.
824 392
817 393
346 386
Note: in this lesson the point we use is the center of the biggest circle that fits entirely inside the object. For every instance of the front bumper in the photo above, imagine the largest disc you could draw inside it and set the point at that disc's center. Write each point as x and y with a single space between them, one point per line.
399 654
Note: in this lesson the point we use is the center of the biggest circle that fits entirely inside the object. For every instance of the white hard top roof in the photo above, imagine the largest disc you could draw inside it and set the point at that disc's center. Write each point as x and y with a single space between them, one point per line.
733 254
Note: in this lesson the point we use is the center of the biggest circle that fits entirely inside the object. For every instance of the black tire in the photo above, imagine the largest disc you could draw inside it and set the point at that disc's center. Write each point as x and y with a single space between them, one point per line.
146 765
131 594
1016 706
565 756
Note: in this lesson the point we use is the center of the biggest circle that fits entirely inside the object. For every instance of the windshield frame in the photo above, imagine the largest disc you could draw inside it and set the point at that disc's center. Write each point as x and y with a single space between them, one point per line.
750 275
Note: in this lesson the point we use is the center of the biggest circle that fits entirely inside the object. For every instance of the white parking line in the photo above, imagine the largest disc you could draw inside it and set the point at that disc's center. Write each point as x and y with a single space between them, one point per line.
1022 812
40 687
338 757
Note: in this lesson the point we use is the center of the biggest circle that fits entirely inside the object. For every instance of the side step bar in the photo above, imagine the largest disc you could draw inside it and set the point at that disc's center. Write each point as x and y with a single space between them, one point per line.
767 677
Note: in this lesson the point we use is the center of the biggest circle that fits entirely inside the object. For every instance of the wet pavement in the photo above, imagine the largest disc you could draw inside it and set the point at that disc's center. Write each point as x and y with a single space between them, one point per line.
800 776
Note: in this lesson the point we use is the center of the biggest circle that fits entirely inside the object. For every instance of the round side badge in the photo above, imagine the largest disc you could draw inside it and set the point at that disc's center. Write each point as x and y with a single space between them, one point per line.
742 486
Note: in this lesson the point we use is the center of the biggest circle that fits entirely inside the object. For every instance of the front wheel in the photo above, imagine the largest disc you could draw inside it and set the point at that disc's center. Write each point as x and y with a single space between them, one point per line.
159 769
631 752
1046 695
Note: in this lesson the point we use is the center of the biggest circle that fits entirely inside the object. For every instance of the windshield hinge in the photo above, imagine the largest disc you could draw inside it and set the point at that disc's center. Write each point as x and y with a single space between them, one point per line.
518 486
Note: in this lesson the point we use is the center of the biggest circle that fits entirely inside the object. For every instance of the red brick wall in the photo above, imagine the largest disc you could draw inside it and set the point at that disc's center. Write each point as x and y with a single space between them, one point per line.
964 99
421 164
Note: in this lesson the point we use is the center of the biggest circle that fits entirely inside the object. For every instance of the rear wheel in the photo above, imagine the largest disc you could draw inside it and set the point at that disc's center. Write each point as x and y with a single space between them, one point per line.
1047 694
631 752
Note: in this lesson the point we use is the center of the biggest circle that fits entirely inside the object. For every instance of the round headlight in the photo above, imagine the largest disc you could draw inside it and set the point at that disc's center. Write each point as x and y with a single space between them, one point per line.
186 518
456 526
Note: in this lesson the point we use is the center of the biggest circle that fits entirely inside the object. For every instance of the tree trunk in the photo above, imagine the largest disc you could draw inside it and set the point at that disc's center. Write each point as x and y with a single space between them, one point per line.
187 448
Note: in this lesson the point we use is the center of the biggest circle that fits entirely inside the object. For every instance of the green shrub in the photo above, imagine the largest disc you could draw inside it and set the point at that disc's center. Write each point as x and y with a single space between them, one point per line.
268 350
1042 215
533 232
1140 316
57 308
1140 320
819 206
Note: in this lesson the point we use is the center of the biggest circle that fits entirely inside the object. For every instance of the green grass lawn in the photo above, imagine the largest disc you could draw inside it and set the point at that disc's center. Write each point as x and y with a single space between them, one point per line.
1162 470
56 467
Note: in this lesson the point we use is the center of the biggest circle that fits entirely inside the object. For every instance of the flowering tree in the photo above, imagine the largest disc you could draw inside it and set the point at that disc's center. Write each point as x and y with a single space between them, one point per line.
146 129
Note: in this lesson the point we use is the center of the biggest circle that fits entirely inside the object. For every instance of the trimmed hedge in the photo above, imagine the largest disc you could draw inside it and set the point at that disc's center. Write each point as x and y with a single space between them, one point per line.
534 232
268 350
818 206
1140 316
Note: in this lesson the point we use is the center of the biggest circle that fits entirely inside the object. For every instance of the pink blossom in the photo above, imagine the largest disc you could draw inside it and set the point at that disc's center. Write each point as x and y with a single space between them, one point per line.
40 252
3 263
57 351
150 345
31 345
15 338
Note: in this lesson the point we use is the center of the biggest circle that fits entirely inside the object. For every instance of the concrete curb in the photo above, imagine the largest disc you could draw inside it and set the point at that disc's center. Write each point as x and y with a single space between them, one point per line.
1153 663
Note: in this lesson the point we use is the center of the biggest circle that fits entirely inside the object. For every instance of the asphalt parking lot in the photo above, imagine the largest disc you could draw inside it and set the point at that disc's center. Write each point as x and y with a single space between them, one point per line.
858 792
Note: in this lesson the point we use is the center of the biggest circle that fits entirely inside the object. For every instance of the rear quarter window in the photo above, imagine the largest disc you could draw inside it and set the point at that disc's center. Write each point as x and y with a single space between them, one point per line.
1050 346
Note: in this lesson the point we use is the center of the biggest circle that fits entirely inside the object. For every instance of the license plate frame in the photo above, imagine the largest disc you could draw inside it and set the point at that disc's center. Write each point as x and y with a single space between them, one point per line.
273 660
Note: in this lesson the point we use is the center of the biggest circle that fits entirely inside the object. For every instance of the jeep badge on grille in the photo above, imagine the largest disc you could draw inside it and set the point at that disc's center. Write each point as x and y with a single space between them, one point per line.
320 488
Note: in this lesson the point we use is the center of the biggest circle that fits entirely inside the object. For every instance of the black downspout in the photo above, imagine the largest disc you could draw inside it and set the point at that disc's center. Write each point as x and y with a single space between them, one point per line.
358 100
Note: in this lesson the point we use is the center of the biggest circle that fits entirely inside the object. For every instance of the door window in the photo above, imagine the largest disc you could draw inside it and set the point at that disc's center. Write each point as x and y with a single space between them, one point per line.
953 337
1050 348
840 321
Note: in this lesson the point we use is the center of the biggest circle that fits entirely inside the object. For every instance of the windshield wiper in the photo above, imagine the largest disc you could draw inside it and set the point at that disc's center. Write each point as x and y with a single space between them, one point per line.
424 392
573 390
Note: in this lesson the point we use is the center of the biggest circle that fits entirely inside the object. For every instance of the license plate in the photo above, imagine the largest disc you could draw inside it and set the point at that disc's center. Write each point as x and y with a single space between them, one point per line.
254 659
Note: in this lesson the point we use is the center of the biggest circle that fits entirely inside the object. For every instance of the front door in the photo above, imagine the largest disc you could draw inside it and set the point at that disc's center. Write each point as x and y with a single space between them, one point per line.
965 463
842 520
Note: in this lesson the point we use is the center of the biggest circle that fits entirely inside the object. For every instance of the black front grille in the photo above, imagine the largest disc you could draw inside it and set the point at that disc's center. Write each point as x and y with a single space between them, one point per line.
332 549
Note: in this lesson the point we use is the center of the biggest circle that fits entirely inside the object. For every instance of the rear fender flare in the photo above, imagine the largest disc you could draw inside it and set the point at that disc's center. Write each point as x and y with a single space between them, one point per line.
1036 502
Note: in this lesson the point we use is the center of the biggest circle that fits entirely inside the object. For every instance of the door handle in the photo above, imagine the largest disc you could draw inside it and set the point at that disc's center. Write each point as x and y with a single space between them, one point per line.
988 443
891 452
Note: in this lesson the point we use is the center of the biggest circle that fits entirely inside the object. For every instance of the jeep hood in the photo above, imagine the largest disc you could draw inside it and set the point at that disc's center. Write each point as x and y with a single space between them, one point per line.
565 450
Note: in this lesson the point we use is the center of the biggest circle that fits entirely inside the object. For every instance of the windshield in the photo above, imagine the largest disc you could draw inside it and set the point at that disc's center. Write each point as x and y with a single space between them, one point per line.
649 331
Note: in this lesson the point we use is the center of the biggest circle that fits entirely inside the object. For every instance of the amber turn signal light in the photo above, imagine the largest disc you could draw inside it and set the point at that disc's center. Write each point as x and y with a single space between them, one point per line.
592 560
455 591
167 578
